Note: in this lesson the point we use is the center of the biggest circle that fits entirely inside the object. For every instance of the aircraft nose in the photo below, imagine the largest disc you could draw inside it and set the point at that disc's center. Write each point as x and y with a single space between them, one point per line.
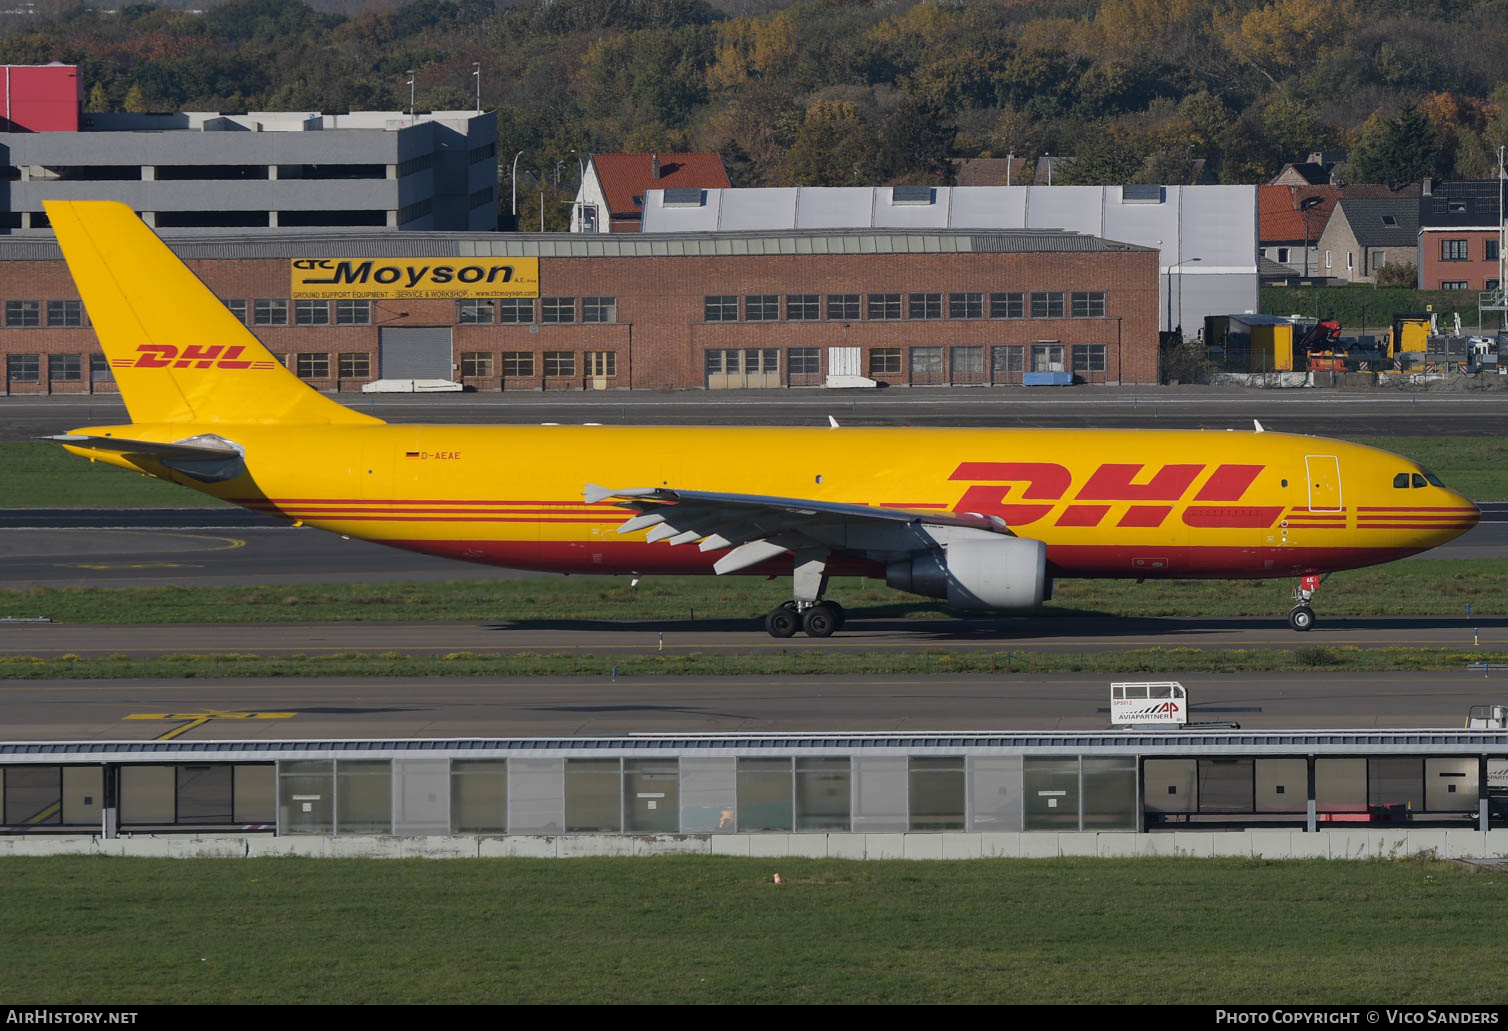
1469 514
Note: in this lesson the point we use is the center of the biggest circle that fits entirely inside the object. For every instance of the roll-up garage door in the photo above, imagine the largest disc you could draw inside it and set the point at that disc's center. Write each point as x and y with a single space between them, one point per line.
415 353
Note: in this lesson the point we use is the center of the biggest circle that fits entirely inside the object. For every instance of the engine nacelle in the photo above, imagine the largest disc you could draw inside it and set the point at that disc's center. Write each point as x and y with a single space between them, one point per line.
1008 574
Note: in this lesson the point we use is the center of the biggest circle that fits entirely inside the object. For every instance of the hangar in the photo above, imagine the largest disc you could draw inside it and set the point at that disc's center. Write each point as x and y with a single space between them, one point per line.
686 310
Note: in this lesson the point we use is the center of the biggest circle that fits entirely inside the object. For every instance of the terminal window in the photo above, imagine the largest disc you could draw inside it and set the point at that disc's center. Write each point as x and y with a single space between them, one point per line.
843 306
267 311
65 368
884 307
314 365
560 363
518 363
1007 306
1047 305
65 313
803 307
355 365
1088 357
885 360
23 314
966 306
311 313
476 364
557 309
599 309
353 313
924 306
23 368
515 310
762 307
1088 304
474 313
720 308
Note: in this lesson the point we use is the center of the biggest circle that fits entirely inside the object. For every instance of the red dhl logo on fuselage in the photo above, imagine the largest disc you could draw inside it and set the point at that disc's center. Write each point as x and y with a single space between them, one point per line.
1045 485
193 356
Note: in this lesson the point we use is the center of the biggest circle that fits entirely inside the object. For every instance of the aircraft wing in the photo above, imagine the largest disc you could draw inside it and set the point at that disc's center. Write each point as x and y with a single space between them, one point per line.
757 527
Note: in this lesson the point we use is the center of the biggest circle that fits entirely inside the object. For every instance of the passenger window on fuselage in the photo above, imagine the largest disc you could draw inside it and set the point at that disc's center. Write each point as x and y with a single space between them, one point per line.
1401 480
1419 481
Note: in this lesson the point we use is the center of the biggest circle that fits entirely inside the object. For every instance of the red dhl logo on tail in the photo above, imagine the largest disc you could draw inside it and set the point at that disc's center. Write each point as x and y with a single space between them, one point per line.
1022 493
193 356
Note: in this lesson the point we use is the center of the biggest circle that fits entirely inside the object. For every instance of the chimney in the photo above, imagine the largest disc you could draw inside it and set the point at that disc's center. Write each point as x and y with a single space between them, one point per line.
654 166
1428 187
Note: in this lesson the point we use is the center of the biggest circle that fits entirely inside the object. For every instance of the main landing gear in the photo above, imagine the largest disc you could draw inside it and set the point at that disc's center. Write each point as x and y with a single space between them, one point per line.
1301 616
807 611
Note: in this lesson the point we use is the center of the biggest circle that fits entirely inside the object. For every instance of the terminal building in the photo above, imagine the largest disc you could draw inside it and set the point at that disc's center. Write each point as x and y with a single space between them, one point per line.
264 170
678 310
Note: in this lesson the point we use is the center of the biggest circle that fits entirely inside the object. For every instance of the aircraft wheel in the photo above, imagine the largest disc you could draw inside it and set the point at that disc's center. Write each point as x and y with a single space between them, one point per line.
782 622
819 620
1301 618
840 616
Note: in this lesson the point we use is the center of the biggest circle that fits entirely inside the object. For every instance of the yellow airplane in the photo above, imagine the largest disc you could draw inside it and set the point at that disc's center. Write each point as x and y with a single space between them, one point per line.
982 518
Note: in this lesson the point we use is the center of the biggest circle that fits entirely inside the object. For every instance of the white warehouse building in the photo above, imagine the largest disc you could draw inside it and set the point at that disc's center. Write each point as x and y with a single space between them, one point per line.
1206 236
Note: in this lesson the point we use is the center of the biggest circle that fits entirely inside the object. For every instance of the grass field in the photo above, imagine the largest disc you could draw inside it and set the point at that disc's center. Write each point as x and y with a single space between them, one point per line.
708 930
1440 587
39 474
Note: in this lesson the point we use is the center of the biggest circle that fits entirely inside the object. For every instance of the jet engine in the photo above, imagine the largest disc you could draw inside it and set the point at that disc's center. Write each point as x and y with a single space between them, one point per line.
1006 574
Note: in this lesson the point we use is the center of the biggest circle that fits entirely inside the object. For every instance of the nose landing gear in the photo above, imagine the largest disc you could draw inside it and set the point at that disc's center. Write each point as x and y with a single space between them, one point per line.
1301 616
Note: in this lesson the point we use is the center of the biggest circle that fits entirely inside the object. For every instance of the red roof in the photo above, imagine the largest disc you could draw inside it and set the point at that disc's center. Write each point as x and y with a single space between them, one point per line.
1279 217
625 177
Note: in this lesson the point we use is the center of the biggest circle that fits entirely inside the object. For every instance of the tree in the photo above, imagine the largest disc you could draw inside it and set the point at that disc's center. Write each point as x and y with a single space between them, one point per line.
1106 158
1395 150
99 100
136 101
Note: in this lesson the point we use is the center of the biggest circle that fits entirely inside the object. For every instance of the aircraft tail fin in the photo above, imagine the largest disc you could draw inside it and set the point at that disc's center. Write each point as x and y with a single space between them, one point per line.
177 352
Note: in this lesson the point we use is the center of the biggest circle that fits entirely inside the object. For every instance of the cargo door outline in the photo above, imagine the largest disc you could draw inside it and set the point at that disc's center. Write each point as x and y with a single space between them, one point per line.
1324 483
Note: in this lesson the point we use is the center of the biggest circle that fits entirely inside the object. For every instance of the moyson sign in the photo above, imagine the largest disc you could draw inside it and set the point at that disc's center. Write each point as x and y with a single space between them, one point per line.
418 278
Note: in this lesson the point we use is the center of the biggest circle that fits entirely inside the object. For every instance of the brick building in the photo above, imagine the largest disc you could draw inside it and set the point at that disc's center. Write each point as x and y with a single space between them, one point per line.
1459 236
703 310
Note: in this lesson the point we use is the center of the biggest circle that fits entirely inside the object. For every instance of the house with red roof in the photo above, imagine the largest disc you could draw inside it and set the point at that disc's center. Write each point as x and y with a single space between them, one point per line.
1292 219
611 196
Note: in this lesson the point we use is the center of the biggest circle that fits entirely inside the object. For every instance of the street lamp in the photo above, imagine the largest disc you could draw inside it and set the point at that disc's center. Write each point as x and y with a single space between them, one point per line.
514 177
1180 292
476 73
580 187
1304 206
411 76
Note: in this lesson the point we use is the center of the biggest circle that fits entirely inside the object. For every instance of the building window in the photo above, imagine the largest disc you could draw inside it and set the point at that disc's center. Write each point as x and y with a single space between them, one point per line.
1088 357
720 308
20 314
476 364
843 307
1047 305
1350 260
803 307
599 309
602 363
1492 250
968 362
474 313
65 313
1329 260
1455 284
1283 254
966 306
99 369
1007 306
924 306
937 793
560 363
353 313
355 365
1453 250
314 365
518 363
1089 304
927 362
65 368
1379 259
515 310
884 361
23 368
267 311
311 313
804 361
238 309
762 307
884 307
557 310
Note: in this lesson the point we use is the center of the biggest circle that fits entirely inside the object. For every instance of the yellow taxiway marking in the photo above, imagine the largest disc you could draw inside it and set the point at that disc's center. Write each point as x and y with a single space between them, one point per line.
129 565
44 814
198 719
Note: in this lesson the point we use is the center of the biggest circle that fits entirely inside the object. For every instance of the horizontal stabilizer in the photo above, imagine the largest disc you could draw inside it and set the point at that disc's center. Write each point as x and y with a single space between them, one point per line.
177 449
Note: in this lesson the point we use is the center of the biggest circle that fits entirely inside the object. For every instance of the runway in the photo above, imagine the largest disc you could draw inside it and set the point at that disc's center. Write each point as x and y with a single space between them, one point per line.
1065 633
1329 412
531 707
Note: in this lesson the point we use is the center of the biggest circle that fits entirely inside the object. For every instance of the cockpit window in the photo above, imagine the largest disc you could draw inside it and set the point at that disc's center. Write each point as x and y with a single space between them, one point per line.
1418 480
1401 480
1434 481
